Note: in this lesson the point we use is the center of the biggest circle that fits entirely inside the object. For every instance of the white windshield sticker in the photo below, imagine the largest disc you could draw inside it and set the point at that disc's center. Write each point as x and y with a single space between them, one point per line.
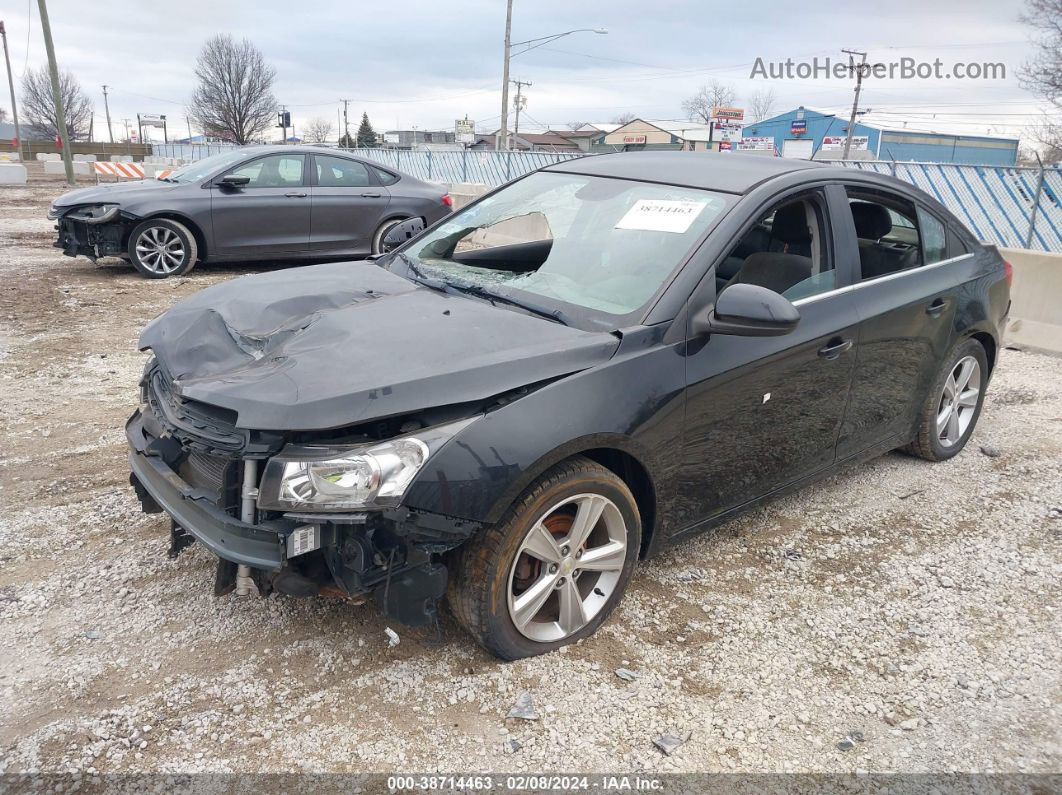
661 215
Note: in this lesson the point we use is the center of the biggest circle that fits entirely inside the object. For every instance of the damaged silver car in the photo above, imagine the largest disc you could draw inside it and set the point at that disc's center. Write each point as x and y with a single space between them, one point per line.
251 203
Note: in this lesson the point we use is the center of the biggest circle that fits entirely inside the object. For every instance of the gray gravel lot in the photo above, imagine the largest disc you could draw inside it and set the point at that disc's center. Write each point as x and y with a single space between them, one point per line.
901 616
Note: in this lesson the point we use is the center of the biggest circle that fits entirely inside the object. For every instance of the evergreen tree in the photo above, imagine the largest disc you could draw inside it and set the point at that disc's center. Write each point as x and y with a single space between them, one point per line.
366 134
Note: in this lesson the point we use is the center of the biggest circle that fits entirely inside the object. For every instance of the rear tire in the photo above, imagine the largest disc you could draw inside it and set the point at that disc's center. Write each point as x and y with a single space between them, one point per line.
160 248
553 568
950 412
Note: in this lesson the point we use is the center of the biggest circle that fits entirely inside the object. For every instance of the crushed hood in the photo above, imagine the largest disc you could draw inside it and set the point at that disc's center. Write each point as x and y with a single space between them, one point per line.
332 345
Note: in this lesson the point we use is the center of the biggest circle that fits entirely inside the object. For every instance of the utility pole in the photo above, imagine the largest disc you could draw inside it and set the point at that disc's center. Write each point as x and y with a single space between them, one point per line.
339 123
107 109
855 102
501 140
346 126
518 103
57 93
125 123
11 87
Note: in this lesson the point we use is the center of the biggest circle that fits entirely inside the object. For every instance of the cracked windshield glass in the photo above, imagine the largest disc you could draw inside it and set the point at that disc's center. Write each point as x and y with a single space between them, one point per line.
592 243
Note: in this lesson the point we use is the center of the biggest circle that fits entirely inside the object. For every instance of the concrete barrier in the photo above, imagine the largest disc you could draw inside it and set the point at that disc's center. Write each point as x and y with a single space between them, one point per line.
1036 300
12 174
54 167
84 158
49 156
9 157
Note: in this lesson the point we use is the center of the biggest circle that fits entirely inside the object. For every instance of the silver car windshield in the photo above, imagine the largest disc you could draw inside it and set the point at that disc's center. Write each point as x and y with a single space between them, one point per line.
588 245
201 169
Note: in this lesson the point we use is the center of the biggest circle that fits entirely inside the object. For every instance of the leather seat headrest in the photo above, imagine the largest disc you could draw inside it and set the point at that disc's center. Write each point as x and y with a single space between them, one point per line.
791 224
872 221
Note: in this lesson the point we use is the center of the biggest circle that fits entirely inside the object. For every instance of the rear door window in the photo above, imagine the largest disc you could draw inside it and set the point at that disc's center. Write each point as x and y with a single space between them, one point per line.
888 230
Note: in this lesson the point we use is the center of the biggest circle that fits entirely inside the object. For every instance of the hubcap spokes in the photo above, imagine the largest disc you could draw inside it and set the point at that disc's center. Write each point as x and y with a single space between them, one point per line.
160 249
569 565
958 402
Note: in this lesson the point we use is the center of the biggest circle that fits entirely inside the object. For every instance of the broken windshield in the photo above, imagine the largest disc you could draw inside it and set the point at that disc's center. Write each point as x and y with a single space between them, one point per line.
590 246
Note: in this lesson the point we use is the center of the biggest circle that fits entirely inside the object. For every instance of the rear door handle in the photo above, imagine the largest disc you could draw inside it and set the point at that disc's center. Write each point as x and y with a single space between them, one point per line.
371 195
936 308
295 195
836 347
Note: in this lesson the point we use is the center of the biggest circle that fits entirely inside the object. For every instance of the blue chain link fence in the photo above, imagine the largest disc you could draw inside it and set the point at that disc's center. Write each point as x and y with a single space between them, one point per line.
1011 207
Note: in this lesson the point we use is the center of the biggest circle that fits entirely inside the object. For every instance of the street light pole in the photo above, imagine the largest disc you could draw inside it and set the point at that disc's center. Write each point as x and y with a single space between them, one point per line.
11 87
57 93
501 140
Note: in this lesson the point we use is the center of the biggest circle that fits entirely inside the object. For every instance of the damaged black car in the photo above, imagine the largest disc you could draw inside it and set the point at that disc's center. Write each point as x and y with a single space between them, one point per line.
511 408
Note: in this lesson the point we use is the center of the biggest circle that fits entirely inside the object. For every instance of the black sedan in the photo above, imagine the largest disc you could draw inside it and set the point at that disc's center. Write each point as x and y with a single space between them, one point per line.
252 203
583 367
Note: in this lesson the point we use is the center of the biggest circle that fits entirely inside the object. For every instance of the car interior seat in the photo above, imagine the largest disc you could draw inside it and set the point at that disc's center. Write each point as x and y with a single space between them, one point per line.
878 257
788 260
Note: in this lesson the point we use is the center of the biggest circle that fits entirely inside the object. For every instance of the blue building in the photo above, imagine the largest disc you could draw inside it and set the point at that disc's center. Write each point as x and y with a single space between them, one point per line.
804 133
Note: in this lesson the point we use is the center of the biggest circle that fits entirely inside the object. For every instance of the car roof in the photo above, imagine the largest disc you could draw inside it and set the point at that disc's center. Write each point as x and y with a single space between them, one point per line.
729 173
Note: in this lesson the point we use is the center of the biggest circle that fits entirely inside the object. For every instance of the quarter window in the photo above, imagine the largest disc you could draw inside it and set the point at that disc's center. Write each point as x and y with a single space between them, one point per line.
934 242
385 177
274 171
338 172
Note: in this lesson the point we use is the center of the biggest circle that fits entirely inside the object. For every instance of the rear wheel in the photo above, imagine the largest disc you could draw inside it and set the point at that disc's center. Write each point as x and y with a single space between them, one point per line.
160 248
950 413
555 566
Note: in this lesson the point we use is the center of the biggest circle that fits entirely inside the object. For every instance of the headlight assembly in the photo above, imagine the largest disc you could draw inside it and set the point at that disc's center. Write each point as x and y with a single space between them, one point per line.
349 478
94 214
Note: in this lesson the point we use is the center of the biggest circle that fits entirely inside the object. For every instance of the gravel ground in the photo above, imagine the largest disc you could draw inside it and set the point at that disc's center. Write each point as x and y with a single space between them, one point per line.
901 616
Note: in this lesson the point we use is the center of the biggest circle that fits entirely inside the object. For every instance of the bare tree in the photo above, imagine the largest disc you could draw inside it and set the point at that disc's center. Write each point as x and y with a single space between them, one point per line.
624 118
575 125
234 98
712 95
3 115
319 130
38 104
1042 74
761 105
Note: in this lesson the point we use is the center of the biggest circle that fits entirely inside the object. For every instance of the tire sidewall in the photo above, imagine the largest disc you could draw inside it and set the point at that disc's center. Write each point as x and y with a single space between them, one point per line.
376 246
969 347
504 634
186 238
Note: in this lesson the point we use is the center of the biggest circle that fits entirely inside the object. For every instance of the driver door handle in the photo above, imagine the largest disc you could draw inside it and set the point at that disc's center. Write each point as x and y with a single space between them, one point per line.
371 195
295 195
836 347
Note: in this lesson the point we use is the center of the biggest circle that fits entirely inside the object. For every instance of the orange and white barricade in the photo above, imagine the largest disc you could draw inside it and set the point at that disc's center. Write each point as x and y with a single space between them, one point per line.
120 170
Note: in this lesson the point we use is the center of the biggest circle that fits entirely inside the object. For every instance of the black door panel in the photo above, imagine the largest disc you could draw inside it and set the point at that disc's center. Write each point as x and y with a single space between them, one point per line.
764 411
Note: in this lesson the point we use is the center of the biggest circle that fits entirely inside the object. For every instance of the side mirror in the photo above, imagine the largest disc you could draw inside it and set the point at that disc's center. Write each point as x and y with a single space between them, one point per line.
233 180
747 310
398 234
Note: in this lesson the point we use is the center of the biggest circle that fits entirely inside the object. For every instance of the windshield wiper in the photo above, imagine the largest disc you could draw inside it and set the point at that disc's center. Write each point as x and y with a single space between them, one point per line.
419 276
474 289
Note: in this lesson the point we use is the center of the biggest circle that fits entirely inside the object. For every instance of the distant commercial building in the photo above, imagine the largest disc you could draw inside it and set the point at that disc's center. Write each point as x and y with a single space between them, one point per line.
411 139
647 134
528 142
804 133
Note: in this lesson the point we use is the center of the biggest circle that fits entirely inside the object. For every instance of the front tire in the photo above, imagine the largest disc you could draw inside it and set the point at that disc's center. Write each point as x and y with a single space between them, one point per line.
160 248
381 231
555 566
951 410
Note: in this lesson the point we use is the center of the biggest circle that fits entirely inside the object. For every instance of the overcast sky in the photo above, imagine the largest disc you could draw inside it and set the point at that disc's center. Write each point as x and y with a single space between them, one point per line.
426 62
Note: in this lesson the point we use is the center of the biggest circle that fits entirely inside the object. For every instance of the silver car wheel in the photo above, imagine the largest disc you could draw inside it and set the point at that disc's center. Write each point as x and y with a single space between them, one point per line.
160 250
567 567
958 401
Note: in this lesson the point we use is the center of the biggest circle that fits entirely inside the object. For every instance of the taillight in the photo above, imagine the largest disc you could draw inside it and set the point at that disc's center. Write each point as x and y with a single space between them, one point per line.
1008 273
448 200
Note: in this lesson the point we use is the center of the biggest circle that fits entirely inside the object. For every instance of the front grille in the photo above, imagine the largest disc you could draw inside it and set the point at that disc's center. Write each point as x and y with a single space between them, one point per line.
196 425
